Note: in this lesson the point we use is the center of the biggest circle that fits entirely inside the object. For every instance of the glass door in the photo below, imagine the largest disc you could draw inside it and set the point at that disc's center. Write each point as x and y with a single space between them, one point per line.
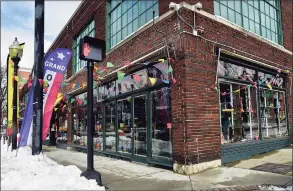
139 129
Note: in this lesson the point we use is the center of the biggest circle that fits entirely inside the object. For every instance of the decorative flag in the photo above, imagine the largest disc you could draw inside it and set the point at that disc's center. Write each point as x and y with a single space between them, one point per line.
166 81
101 71
161 60
25 137
236 91
16 78
269 85
72 100
67 97
241 110
55 109
170 69
279 70
10 70
83 85
171 60
73 85
120 75
224 93
63 98
41 82
85 102
153 80
174 80
59 95
251 110
136 78
255 84
109 65
29 83
53 73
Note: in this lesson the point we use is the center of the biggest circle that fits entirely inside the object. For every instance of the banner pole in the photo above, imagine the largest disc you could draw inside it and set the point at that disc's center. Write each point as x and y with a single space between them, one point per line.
38 75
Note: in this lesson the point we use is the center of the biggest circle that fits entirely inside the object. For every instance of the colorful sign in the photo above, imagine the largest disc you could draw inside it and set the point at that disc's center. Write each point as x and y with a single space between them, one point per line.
55 66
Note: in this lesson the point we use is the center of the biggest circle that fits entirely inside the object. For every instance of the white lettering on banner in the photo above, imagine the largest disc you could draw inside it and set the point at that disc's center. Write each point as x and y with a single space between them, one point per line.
55 66
49 77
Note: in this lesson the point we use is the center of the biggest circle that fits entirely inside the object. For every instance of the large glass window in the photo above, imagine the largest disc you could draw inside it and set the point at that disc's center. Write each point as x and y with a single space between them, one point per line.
110 132
124 125
125 17
239 120
258 16
273 113
79 126
161 123
89 30
98 135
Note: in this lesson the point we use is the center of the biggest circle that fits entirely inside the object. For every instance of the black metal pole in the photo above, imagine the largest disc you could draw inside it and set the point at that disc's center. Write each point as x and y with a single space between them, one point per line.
90 173
15 89
90 125
38 74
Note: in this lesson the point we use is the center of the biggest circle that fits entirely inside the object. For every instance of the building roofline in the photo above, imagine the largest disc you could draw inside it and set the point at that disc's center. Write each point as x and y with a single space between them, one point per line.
66 25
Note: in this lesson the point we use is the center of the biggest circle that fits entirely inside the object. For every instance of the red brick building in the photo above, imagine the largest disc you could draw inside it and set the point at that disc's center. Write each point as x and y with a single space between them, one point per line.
228 97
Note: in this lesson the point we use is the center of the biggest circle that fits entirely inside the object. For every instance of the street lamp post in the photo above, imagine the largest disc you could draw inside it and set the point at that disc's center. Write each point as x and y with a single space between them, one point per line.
15 52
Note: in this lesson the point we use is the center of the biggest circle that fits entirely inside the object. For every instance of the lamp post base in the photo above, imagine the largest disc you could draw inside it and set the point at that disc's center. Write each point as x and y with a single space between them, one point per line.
92 175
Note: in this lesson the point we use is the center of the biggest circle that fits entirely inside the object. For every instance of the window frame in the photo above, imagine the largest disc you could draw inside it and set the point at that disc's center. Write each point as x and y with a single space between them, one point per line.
140 24
75 45
261 27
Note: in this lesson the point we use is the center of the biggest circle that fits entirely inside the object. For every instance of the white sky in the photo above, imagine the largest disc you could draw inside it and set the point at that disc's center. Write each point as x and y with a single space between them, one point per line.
17 20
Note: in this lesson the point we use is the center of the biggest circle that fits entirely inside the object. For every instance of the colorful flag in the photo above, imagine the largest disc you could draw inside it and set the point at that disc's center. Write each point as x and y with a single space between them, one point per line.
10 75
53 73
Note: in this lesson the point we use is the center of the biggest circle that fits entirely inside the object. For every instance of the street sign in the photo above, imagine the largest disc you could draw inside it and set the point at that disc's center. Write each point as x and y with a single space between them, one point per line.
92 49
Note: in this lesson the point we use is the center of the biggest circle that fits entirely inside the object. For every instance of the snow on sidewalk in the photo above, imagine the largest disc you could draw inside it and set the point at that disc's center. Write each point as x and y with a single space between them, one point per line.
27 172
289 188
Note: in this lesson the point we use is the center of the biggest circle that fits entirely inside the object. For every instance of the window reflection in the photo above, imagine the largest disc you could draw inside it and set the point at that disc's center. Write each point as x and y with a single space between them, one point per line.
239 120
98 135
79 126
125 85
110 133
110 89
161 123
273 114
140 125
124 125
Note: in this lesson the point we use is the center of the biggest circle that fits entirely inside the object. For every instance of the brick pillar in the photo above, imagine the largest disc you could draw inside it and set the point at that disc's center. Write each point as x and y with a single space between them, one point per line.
196 108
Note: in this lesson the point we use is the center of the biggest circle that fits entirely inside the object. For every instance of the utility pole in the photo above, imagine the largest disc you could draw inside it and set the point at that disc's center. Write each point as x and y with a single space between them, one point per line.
38 75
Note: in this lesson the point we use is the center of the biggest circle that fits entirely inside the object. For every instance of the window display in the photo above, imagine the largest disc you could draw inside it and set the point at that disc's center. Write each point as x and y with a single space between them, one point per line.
98 135
61 131
273 114
110 133
79 126
124 125
239 120
161 123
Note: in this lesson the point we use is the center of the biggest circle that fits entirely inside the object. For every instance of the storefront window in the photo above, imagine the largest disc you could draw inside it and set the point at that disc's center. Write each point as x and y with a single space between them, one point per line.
275 81
79 126
161 123
98 135
273 113
237 72
140 125
239 121
158 71
125 85
110 133
110 89
61 130
124 125
143 82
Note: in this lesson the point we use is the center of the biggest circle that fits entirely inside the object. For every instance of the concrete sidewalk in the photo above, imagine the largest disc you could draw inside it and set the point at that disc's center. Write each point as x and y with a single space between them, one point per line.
123 175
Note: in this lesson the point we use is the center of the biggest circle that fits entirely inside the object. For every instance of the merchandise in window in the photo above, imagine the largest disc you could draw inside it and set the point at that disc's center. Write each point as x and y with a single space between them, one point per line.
124 125
239 121
125 17
61 130
98 131
110 133
273 113
258 16
79 126
161 123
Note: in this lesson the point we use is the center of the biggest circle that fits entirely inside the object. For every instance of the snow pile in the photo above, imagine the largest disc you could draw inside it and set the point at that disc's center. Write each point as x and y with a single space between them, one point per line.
27 172
289 188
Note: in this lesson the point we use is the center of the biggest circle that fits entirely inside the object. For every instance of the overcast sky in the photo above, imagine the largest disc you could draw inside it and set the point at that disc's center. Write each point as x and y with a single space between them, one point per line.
17 20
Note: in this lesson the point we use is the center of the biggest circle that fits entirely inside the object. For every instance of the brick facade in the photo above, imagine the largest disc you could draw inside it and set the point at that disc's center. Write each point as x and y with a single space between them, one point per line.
195 108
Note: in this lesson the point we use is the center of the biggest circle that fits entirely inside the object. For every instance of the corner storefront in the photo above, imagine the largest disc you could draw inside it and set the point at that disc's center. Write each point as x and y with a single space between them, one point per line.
132 117
253 108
